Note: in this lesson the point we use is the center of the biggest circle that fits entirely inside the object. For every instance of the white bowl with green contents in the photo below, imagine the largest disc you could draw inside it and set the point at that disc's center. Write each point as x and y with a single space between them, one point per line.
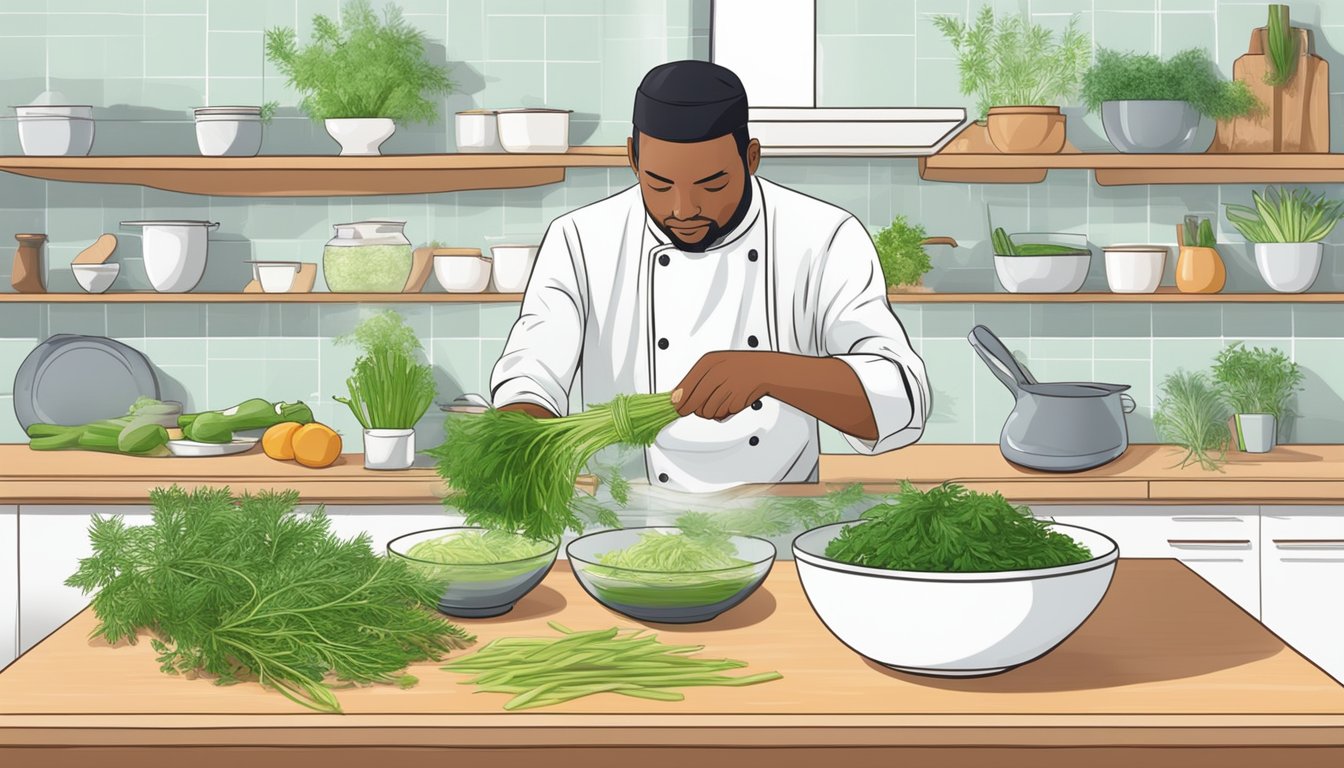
367 257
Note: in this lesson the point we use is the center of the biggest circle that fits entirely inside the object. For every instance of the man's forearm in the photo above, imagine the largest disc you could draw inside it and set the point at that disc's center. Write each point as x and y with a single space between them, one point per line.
830 391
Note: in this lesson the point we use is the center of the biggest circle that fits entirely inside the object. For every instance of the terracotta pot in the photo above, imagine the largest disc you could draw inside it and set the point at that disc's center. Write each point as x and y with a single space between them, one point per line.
1027 130
27 274
1200 270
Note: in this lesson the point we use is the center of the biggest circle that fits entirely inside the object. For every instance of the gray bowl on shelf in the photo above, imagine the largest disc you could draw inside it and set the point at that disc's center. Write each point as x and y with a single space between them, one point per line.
1160 127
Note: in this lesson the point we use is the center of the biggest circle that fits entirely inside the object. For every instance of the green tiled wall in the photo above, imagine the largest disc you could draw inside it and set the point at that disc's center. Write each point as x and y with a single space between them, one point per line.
145 63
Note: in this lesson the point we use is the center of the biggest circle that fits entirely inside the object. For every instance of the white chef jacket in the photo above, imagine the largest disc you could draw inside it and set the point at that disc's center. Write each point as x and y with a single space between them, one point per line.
612 301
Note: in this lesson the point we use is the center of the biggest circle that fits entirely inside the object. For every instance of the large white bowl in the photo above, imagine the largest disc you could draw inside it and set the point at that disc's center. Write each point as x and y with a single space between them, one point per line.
1042 274
174 252
53 135
953 624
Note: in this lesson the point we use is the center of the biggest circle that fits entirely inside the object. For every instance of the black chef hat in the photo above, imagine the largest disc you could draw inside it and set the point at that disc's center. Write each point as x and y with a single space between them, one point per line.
690 101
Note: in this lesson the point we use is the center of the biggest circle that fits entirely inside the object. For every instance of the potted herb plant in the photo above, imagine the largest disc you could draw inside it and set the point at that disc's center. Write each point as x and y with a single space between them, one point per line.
1019 73
1151 105
1257 385
390 390
1199 268
1192 415
1287 228
360 75
900 250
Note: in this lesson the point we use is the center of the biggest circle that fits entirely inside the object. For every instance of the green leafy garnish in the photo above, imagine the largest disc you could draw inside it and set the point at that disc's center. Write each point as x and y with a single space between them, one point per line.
1255 380
952 529
900 250
543 672
389 388
1013 62
477 555
1189 76
360 67
1192 414
1293 216
243 588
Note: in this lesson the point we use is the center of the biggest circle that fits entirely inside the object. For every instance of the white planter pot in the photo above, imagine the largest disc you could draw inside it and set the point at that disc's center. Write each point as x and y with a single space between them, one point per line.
389 448
174 252
1135 268
1256 432
360 135
1289 267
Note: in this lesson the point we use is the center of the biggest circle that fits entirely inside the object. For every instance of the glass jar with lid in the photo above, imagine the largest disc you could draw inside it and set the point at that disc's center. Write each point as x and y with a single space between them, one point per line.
367 257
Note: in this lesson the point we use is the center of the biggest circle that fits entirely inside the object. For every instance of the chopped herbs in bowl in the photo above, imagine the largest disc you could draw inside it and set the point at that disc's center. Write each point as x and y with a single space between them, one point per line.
952 582
478 573
670 575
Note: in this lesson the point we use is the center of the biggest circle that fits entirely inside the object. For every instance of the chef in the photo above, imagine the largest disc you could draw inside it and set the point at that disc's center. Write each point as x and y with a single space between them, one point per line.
760 309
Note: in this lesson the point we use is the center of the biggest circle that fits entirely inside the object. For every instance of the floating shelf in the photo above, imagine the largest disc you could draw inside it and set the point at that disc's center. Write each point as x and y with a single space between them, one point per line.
1164 296
319 175
1117 169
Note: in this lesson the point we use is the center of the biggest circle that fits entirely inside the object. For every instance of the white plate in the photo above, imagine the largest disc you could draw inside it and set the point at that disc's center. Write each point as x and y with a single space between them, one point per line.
194 449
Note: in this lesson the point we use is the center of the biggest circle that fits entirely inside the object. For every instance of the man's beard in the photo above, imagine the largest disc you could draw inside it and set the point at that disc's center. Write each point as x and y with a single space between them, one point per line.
714 230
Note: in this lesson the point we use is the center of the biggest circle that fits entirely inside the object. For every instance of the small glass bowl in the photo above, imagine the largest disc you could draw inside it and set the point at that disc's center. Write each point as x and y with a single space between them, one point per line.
476 590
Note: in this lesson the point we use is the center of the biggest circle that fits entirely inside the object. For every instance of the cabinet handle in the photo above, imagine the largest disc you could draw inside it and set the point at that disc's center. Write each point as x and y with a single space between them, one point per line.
1309 543
1206 519
1209 543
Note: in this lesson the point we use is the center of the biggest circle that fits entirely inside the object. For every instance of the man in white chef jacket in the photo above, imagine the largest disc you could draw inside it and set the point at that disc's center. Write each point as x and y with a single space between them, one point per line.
760 309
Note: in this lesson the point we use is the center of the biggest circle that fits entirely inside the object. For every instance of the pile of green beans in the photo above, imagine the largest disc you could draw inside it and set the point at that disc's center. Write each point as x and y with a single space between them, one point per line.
542 672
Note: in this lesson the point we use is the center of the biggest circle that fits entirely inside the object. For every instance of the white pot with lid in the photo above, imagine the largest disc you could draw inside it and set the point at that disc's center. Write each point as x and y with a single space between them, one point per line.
228 131
51 127
174 252
476 130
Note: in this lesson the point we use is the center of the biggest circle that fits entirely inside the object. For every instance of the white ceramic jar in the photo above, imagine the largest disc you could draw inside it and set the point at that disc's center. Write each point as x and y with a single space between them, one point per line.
477 131
512 266
55 130
228 131
1135 268
534 130
461 270
174 252
389 448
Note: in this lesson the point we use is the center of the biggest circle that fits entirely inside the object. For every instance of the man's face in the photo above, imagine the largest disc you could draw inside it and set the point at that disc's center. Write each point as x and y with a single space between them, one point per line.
693 188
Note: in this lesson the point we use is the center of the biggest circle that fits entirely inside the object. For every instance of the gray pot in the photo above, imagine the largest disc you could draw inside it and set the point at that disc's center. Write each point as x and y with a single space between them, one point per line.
1150 126
1256 432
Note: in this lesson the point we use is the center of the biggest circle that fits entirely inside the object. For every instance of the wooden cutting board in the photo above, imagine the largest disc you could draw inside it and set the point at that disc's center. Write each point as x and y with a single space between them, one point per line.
1296 117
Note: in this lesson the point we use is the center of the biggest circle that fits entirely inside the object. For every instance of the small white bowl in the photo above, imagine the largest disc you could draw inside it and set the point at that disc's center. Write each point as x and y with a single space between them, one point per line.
513 266
275 276
53 135
1134 268
461 270
228 131
95 278
533 130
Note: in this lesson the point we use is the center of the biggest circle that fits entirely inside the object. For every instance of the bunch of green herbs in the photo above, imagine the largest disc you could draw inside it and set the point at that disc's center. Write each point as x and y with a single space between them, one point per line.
1188 76
951 529
389 388
246 588
1198 232
1012 62
1286 216
1003 245
360 66
513 472
1281 46
1193 414
1256 380
900 251
542 672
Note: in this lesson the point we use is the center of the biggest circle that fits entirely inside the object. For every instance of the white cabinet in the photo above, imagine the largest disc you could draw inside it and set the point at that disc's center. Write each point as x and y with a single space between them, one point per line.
9 584
1221 544
52 540
1302 571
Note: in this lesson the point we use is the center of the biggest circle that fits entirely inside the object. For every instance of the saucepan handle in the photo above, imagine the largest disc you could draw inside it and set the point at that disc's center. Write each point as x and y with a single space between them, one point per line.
1000 361
1127 403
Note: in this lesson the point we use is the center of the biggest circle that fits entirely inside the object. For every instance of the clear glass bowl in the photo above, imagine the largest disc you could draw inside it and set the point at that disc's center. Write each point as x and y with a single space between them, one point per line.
475 590
668 597
367 257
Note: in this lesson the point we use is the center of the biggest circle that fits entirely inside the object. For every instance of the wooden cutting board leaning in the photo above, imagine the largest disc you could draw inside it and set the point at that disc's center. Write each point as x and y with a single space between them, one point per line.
1296 117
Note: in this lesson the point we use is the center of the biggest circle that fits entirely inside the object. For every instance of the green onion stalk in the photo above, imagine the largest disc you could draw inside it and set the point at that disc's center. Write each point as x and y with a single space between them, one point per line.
513 472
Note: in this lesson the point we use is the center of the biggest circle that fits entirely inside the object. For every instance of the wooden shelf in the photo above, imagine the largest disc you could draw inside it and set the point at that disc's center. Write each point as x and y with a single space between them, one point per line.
319 175
1117 169
149 297
1164 296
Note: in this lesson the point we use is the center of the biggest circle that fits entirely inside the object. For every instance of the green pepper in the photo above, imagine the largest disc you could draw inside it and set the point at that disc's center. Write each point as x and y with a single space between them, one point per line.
219 426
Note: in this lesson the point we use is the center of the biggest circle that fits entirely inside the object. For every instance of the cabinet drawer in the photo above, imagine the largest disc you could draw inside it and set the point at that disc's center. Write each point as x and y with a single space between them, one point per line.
1302 569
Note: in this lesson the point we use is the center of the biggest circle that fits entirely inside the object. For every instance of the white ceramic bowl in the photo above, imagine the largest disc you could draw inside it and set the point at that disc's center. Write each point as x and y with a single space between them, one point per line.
533 130
174 252
53 135
953 624
477 131
1042 274
95 278
1135 268
228 131
462 270
513 266
275 276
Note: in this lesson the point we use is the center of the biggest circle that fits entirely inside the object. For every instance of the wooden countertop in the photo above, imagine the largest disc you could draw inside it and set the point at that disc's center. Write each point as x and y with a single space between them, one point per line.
1145 474
1165 663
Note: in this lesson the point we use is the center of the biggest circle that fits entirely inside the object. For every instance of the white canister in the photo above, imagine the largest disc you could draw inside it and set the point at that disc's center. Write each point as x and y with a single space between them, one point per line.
228 131
174 252
512 266
477 131
1135 268
389 448
462 270
1256 432
533 130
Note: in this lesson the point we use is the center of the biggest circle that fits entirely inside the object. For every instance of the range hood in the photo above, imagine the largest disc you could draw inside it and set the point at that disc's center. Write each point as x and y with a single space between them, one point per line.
773 48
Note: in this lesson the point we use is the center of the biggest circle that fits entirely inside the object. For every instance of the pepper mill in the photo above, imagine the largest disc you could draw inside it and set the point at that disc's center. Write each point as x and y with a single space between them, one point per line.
27 276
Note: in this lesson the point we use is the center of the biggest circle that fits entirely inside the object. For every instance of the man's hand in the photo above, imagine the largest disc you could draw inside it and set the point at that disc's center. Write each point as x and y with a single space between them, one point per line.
725 383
